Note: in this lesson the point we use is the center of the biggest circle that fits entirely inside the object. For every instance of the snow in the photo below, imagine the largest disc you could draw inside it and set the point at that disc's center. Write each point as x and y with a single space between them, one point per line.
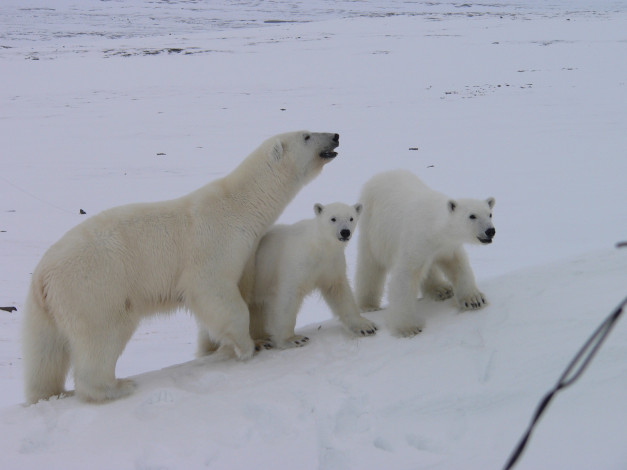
110 102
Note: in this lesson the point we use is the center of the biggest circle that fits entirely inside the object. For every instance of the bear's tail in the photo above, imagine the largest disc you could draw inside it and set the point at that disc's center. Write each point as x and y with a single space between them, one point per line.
45 350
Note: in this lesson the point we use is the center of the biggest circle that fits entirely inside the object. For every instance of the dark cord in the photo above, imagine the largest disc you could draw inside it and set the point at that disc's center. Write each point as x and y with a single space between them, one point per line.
581 360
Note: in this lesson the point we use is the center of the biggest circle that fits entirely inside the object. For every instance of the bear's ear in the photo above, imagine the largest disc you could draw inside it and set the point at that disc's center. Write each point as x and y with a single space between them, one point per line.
318 208
490 202
358 207
452 205
276 152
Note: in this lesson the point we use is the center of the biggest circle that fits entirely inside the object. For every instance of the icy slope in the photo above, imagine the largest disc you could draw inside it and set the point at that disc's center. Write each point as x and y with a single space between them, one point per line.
457 396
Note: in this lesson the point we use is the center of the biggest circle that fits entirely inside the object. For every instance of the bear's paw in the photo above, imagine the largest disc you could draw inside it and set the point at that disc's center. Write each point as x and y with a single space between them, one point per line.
265 343
441 292
296 341
408 331
473 301
362 327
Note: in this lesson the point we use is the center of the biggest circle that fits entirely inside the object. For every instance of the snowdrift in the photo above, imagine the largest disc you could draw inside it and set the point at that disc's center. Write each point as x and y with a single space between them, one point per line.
456 396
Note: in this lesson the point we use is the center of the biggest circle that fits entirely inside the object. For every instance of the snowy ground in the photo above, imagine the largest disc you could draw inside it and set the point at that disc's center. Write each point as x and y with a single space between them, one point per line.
105 103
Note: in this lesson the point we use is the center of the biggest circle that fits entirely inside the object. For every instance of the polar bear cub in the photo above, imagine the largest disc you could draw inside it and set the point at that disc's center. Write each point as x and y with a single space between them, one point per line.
293 261
92 288
416 235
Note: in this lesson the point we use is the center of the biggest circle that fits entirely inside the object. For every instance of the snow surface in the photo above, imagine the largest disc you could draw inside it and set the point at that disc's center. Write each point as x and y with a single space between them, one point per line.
110 102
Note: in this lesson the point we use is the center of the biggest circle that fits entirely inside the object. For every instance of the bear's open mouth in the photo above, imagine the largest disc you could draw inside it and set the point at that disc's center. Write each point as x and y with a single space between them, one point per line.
344 239
328 154
485 241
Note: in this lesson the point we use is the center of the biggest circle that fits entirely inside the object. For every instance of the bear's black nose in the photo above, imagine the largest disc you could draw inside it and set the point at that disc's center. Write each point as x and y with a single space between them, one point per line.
490 232
345 233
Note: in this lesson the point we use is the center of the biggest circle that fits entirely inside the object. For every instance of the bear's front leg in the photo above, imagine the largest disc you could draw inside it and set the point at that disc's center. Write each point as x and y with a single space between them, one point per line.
457 268
340 299
221 310
435 286
205 345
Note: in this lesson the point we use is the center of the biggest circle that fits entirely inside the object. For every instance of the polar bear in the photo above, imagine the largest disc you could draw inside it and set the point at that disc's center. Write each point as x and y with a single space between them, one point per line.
294 260
416 235
92 287
291 262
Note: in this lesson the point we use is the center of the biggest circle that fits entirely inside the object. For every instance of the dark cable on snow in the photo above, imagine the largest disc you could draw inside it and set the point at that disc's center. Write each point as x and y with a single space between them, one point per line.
582 359
44 201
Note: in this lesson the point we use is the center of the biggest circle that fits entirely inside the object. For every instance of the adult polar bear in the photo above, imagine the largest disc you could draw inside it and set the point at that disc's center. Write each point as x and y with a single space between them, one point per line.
91 288
417 234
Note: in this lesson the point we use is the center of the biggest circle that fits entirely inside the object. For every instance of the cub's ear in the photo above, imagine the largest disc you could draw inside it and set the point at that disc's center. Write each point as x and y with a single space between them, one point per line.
276 152
451 205
490 202
358 207
318 208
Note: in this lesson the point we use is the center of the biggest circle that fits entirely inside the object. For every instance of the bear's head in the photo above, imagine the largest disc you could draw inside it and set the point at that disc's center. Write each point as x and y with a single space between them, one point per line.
337 220
473 219
304 153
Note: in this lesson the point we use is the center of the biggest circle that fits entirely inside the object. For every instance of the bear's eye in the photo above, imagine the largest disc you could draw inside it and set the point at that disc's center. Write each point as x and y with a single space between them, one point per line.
351 219
307 136
472 216
333 219
490 215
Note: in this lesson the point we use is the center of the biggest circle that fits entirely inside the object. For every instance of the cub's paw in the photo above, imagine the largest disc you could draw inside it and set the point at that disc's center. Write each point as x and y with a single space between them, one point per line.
362 327
370 308
264 343
403 324
296 341
441 292
408 331
473 301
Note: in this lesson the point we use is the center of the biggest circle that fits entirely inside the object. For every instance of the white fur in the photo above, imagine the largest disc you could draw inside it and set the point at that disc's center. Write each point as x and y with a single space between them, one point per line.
416 234
93 286
294 260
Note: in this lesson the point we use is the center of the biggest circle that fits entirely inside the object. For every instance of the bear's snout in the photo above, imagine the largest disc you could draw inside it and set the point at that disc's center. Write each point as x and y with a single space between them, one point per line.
328 152
345 235
488 236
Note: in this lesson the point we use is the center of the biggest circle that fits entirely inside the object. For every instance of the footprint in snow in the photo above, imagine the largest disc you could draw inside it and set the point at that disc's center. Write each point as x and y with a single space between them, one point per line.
151 406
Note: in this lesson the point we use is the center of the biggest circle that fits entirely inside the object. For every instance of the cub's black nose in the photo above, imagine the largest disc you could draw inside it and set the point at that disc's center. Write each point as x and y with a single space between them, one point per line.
336 138
490 232
345 233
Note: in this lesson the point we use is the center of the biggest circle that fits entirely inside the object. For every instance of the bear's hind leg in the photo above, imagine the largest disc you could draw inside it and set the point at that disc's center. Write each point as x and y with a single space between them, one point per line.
402 317
280 318
94 357
45 353
369 280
